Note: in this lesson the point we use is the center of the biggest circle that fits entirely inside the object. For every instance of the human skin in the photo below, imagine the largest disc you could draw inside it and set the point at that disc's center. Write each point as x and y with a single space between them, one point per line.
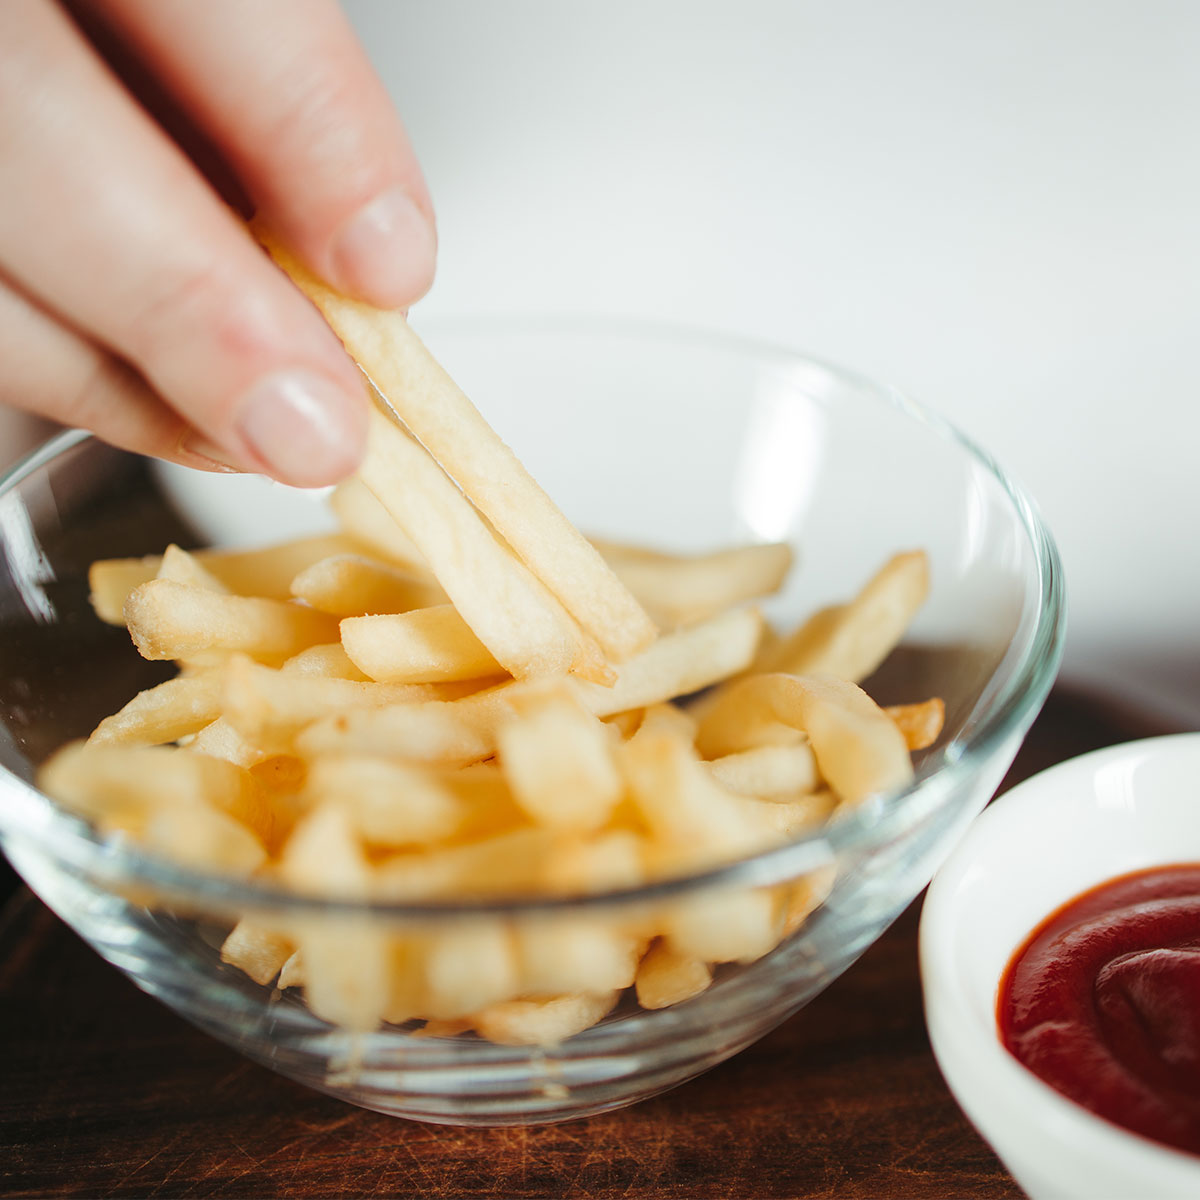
135 137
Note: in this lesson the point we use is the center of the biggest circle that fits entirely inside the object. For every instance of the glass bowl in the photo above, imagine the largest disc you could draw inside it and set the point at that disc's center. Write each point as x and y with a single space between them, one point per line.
674 439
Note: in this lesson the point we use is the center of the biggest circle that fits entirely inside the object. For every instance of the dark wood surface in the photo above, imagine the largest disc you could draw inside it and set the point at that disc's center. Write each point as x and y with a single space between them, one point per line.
109 1094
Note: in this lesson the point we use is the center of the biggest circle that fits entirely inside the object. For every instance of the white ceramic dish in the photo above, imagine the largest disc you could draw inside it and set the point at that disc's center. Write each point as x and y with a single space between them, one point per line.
1056 835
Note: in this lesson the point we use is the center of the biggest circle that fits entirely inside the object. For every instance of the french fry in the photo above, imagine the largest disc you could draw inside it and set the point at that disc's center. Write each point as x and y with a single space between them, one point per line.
114 784
457 732
328 661
427 645
578 954
220 739
202 839
268 571
767 770
346 961
110 580
268 707
851 640
729 925
291 974
368 522
683 589
679 664
921 723
541 1022
692 820
173 620
181 567
611 860
468 967
390 804
510 611
665 977
164 713
437 412
858 748
352 585
509 863
805 895
260 953
557 759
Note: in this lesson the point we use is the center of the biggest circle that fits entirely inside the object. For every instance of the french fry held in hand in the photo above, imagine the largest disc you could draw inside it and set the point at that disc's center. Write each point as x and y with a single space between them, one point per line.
459 698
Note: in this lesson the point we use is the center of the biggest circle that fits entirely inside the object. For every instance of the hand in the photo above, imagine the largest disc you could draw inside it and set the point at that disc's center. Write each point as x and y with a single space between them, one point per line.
132 300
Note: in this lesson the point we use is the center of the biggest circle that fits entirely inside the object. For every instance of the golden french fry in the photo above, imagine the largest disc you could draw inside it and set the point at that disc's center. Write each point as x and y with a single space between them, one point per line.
113 785
851 640
352 585
203 839
468 967
110 580
665 977
172 620
463 731
347 977
767 770
427 645
678 664
541 1022
805 895
608 861
437 412
390 804
557 758
725 926
921 723
578 954
366 520
165 713
510 611
260 953
181 567
693 821
858 748
268 706
220 739
683 589
328 661
268 571
291 974
508 863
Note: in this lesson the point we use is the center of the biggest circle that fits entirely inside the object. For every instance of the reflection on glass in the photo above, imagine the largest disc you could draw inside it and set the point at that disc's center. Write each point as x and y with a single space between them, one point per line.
784 444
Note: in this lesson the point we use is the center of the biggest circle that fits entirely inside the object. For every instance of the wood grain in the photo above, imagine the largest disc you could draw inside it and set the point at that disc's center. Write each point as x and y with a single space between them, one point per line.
109 1094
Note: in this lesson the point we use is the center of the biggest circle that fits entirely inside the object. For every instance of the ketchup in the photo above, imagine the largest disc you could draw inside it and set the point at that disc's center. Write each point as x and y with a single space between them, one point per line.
1103 1003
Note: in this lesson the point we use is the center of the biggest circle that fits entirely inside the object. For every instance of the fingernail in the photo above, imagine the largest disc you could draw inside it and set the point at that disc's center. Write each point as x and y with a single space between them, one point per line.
304 428
385 253
205 455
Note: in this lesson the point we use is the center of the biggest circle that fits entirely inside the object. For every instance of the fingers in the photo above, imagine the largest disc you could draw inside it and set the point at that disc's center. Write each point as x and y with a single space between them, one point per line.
109 228
53 371
285 91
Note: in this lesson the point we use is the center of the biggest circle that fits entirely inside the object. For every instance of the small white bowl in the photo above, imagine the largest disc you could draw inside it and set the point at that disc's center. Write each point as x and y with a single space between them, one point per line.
1056 835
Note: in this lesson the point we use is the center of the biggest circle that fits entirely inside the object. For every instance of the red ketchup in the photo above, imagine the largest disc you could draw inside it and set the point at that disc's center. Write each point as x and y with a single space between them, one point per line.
1103 1003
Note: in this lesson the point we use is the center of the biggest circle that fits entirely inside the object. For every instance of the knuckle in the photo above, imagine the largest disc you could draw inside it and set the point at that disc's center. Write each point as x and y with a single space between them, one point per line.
204 302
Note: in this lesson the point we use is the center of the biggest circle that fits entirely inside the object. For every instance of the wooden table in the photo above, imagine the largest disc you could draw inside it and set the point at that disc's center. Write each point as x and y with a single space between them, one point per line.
109 1094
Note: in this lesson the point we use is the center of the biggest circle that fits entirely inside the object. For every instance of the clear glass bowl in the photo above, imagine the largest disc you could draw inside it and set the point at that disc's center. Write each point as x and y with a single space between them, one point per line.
678 440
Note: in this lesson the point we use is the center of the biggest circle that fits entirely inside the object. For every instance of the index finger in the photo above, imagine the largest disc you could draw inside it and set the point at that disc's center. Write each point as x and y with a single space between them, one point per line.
286 92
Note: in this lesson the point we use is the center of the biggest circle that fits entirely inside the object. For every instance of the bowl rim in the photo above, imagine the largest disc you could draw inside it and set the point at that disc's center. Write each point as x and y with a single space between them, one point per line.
1009 711
957 1035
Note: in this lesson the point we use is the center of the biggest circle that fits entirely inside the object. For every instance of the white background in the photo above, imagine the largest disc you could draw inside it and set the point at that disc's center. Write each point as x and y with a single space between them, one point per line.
994 206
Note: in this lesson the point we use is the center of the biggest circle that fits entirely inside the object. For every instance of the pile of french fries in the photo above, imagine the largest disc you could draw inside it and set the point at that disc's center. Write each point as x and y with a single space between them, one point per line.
458 697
